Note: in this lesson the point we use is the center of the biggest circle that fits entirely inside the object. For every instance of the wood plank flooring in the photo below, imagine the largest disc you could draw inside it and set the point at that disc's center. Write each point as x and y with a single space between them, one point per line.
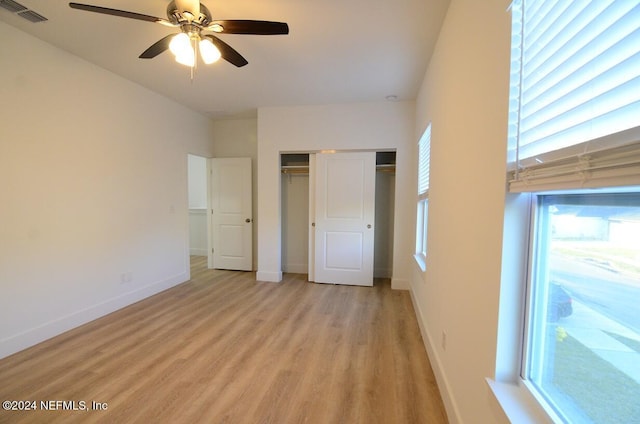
223 348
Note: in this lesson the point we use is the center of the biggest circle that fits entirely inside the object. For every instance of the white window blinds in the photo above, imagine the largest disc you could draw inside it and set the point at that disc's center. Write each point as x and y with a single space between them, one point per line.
575 94
424 155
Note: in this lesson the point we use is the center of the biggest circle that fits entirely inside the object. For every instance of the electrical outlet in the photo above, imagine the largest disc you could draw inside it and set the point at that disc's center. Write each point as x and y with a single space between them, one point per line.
443 340
126 277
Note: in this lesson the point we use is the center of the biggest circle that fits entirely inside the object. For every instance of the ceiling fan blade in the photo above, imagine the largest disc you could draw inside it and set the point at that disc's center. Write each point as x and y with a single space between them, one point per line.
156 48
227 52
120 13
249 27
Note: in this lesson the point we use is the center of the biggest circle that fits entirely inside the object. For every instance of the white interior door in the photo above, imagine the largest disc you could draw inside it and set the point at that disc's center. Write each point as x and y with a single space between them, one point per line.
231 213
345 212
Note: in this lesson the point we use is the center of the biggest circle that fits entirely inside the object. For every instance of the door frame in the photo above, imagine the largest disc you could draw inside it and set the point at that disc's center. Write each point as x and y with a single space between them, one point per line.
209 216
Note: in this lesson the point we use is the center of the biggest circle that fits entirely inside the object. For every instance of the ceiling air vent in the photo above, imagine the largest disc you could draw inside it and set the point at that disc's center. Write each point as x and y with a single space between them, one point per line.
22 11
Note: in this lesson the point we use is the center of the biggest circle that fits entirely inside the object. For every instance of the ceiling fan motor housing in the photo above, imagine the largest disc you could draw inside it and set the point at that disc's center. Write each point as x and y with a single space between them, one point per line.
178 17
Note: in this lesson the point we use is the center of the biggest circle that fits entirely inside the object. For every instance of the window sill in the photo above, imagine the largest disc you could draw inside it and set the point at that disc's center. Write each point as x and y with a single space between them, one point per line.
518 404
421 262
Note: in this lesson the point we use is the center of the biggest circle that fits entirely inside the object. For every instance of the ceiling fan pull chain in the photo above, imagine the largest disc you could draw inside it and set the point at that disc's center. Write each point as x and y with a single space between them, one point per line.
195 59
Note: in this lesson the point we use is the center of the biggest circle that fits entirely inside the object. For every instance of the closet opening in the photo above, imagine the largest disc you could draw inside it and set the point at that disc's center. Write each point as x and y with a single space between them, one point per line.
385 202
294 194
295 212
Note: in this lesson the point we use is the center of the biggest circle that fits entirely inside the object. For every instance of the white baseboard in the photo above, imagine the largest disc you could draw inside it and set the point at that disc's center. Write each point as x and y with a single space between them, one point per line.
297 268
270 276
382 273
55 327
453 413
400 284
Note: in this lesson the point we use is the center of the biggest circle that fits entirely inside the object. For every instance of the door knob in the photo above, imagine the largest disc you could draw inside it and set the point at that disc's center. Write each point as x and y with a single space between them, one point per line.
368 225
248 220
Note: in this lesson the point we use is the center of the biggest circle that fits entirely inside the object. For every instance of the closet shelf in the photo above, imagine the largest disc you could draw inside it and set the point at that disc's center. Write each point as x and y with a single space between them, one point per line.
302 169
386 168
295 169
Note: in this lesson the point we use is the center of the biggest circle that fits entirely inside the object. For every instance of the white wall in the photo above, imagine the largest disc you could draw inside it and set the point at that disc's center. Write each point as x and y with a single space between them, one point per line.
465 96
197 177
197 183
94 190
198 232
381 125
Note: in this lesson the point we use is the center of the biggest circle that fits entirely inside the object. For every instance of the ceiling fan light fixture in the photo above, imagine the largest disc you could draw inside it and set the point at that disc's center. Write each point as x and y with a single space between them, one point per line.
181 48
186 60
180 44
208 51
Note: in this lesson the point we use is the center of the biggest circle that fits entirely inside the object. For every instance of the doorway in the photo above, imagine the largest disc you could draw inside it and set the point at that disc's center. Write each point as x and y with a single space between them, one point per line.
294 190
198 201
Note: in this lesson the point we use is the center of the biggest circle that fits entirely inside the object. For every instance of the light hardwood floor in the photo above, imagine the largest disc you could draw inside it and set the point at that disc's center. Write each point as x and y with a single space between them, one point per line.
223 348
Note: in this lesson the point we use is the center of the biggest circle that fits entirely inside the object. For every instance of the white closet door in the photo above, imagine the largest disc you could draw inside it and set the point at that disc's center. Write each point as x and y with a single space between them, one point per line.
345 212
231 213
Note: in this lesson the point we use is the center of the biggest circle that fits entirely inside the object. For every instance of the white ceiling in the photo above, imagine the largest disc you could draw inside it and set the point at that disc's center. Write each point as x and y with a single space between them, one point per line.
337 51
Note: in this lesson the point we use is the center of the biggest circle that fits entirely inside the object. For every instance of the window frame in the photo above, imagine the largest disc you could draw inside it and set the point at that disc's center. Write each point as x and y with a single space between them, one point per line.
422 208
530 366
421 228
533 242
514 392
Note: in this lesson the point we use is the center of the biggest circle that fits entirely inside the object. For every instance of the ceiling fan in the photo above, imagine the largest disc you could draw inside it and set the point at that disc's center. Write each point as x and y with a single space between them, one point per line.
193 18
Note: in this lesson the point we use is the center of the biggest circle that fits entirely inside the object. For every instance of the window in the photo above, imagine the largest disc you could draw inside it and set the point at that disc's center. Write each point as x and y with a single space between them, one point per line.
583 352
574 145
424 154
